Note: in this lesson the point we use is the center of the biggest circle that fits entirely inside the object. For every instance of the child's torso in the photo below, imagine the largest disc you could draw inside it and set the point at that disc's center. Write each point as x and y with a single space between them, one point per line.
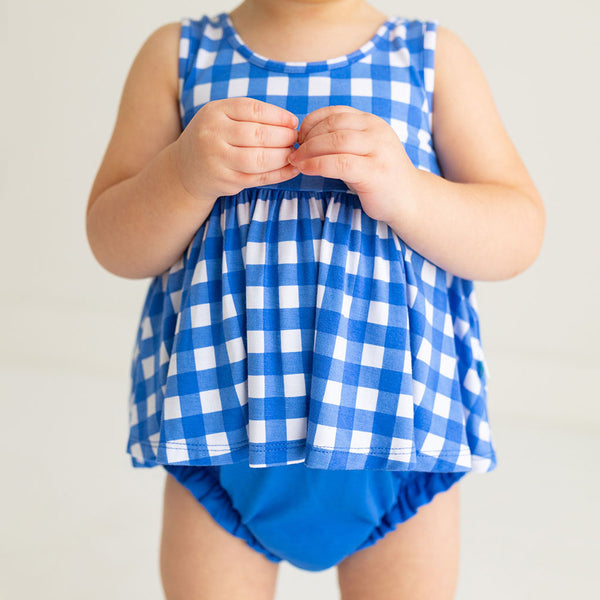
296 328
390 76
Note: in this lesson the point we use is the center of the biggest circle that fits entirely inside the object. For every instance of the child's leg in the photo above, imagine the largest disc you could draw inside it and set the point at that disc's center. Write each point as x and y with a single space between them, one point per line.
200 559
418 560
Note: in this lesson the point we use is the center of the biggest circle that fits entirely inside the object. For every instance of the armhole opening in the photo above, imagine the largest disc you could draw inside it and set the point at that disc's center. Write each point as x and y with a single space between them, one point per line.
428 65
190 37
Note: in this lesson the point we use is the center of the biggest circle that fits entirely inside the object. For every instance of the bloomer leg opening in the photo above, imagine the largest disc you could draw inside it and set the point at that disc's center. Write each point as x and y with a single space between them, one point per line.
414 489
415 554
196 554
204 485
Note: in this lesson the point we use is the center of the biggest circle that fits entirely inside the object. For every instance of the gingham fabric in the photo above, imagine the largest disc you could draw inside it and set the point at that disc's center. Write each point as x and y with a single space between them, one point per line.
295 327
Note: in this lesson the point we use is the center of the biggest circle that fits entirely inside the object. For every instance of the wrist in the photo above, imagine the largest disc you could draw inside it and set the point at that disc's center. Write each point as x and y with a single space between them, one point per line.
405 209
181 192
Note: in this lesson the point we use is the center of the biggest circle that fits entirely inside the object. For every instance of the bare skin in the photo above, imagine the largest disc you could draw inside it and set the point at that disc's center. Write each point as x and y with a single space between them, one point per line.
197 554
340 26
419 560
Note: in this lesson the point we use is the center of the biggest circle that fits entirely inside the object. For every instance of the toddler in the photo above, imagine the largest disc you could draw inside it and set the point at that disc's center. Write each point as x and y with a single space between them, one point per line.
312 187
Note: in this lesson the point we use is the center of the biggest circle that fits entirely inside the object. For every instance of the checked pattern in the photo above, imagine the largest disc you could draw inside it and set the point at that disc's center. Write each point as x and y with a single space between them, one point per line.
296 328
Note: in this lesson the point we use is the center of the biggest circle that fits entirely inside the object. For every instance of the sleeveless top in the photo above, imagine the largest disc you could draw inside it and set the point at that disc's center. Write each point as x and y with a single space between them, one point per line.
296 328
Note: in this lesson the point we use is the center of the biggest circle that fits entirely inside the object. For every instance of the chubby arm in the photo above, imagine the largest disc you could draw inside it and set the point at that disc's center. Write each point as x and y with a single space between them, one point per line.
139 218
157 184
484 219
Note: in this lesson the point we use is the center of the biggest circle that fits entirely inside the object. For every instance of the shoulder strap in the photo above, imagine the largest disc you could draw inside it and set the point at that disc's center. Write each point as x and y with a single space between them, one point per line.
413 41
192 31
428 58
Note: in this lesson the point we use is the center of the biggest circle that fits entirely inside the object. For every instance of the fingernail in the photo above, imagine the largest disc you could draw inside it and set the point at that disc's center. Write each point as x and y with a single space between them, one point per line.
291 157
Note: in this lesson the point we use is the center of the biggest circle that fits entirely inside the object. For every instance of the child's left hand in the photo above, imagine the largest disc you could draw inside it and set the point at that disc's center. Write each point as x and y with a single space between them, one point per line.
362 150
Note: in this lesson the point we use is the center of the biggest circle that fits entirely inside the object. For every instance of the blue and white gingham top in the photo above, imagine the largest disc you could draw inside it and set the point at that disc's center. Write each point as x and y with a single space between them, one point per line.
296 328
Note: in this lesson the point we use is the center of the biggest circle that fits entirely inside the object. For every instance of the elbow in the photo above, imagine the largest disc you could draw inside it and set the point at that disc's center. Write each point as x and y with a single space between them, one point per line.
90 235
103 254
538 226
97 250
535 230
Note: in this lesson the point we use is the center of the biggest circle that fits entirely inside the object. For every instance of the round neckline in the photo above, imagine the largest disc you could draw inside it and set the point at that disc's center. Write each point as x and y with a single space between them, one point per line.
235 40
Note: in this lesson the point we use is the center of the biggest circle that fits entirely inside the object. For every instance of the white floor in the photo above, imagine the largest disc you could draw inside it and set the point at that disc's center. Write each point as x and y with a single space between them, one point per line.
79 522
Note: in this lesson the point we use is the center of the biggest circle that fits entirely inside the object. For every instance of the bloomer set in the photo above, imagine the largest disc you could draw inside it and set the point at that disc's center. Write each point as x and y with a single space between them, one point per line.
300 363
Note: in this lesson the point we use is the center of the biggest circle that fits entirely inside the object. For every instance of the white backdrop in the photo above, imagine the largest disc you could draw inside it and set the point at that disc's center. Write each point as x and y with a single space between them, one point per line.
68 325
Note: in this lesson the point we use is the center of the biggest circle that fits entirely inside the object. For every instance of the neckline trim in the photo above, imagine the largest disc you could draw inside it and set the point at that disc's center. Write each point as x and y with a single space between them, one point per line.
237 43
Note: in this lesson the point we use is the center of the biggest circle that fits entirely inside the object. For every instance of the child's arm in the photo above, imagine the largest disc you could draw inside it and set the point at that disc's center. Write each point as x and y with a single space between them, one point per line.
484 219
157 184
139 217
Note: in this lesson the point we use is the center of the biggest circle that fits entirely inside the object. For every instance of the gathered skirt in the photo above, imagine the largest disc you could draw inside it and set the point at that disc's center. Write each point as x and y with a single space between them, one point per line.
296 328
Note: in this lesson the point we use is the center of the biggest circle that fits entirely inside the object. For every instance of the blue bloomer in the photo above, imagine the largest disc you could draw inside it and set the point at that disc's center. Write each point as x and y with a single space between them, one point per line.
313 518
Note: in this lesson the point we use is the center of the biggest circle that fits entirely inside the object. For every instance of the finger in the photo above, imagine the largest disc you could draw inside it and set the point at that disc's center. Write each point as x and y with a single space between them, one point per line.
340 120
250 109
348 167
257 160
340 141
319 114
245 133
268 177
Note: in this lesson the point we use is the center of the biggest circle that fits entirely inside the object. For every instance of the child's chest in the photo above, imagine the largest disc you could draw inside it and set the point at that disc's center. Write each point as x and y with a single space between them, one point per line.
387 83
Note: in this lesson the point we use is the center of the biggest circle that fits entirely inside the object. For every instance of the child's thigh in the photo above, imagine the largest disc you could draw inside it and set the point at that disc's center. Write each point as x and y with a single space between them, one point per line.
200 559
418 560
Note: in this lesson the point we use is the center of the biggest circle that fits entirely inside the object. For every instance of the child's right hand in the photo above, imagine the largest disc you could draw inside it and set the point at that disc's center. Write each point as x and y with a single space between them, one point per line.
235 143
